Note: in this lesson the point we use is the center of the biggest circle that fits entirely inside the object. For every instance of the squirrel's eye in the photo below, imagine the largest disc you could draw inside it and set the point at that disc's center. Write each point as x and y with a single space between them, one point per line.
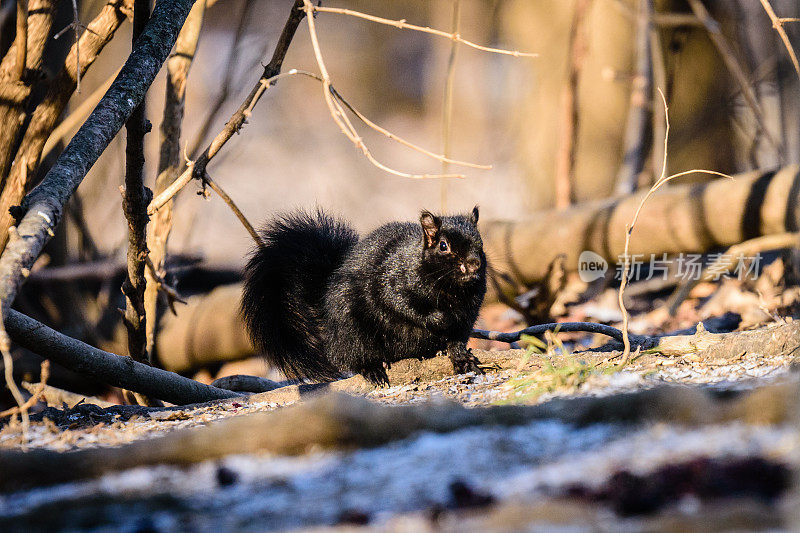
443 245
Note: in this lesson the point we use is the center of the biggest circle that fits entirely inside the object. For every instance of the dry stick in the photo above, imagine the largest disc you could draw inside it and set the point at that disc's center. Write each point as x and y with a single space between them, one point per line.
264 85
8 367
659 79
106 367
14 109
161 284
169 162
634 146
227 199
629 228
402 24
569 116
76 26
36 391
189 174
777 23
439 157
197 168
45 204
338 114
726 261
21 39
447 102
735 68
134 204
98 34
227 79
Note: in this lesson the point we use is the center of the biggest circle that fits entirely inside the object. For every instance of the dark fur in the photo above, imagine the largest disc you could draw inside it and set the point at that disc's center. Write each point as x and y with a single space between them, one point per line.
318 302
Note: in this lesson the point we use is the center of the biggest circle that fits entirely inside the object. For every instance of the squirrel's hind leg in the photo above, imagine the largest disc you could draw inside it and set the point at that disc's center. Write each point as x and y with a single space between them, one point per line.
376 375
462 358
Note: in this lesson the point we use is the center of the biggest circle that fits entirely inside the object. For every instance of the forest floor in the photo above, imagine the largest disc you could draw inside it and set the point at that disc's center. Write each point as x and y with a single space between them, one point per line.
705 439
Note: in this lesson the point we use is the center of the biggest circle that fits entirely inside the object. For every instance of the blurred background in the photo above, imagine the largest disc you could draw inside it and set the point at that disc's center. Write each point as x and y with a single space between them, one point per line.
507 111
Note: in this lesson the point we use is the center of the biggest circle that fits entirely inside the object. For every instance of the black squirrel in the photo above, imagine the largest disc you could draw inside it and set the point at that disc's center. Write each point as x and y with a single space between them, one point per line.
319 302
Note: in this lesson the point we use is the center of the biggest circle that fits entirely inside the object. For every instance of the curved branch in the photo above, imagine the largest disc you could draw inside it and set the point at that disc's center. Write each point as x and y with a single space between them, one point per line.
561 327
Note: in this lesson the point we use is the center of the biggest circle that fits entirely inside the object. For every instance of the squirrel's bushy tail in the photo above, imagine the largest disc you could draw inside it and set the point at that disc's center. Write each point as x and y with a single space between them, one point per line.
284 288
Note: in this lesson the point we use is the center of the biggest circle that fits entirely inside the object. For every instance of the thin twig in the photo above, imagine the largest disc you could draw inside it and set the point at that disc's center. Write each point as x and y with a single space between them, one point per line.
106 367
737 71
76 27
338 114
8 367
629 227
635 141
439 157
402 24
228 200
227 79
36 393
447 101
570 108
777 23
168 290
196 169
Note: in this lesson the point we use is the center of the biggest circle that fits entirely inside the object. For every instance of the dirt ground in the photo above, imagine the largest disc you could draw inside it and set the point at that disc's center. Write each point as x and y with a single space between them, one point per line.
534 474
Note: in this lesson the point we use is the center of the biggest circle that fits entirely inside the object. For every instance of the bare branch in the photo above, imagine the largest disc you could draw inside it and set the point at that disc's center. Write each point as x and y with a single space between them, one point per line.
178 66
227 199
402 24
134 204
570 108
227 79
271 73
629 227
635 145
18 74
337 113
736 70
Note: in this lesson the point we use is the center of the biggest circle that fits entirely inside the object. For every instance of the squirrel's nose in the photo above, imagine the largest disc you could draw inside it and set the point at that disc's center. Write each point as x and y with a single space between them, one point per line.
473 263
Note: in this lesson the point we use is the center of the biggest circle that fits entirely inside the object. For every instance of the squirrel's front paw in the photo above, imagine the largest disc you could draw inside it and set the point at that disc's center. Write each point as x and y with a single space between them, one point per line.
463 360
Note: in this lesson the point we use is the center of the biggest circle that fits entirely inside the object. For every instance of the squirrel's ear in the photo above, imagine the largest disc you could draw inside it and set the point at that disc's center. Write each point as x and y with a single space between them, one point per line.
474 216
430 227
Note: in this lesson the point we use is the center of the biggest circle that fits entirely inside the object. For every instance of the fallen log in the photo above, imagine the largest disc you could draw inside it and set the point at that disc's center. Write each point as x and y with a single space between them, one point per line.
692 218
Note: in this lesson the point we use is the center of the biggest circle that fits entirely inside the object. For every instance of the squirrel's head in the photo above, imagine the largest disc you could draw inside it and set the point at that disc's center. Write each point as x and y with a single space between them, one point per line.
452 249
